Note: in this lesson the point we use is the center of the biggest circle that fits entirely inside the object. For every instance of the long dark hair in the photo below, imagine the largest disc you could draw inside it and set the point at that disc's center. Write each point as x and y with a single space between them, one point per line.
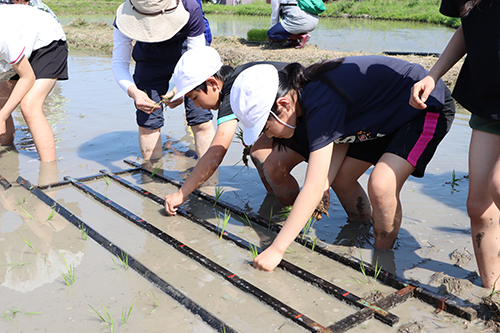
468 6
294 76
222 74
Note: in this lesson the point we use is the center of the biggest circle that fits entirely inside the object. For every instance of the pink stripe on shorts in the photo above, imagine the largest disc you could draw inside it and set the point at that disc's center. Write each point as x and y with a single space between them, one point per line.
430 123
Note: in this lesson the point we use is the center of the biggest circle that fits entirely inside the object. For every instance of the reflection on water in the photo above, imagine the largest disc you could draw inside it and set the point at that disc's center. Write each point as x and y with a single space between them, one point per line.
337 34
55 112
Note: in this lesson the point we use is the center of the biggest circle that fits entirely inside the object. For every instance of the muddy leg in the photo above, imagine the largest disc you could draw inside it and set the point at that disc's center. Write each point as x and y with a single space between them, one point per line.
484 173
384 187
349 192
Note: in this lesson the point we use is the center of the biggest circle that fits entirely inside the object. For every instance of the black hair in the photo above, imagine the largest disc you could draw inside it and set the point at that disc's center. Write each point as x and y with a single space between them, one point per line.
468 6
294 76
222 74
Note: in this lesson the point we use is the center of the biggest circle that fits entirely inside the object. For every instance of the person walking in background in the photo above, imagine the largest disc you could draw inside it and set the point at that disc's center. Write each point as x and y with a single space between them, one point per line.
290 23
478 90
159 28
33 56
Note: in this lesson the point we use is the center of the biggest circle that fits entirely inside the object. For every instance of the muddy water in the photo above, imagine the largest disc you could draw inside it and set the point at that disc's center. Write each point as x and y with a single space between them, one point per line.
95 129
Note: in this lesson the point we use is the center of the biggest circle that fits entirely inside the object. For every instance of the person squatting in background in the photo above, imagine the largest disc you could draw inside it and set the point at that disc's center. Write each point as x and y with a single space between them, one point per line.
478 90
160 28
33 56
359 101
294 26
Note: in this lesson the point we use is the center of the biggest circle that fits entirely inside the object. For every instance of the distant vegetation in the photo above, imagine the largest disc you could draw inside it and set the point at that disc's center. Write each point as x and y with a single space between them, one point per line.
411 10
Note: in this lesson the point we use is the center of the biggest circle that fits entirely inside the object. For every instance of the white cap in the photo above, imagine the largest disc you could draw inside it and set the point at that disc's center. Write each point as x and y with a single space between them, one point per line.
252 96
195 67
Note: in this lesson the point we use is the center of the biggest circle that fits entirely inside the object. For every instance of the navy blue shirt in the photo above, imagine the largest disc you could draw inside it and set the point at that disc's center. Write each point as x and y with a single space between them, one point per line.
379 92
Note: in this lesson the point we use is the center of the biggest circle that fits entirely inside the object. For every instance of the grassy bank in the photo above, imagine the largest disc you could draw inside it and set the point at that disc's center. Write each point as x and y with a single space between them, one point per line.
412 10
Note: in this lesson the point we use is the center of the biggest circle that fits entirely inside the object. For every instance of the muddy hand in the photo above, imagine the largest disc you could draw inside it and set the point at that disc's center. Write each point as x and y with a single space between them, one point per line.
323 206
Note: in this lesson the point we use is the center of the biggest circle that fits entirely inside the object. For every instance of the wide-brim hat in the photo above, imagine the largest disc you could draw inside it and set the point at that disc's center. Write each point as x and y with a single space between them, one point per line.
195 67
252 96
151 21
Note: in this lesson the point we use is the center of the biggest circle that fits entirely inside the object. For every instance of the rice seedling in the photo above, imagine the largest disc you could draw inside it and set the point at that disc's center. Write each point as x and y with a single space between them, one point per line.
362 267
70 275
247 220
227 216
19 203
493 290
314 244
11 313
107 319
155 171
51 215
307 228
377 270
283 214
13 265
84 232
290 250
253 250
270 219
107 181
156 306
123 260
28 242
218 192
126 314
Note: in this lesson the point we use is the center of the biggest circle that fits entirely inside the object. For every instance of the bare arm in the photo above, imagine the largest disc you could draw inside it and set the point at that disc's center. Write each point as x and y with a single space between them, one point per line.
26 80
453 52
205 167
306 202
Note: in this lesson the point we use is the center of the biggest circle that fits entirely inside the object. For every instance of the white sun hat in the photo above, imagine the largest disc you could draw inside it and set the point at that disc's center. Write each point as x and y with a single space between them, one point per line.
151 21
252 96
195 67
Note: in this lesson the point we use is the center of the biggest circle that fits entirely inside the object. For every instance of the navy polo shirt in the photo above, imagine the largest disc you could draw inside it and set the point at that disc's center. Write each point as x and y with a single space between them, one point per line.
379 91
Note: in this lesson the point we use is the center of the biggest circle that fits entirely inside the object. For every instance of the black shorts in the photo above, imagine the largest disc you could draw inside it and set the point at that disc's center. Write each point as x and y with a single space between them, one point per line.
50 62
415 141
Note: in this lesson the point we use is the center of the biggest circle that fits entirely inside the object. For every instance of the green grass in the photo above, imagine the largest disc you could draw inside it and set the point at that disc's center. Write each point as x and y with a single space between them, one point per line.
257 35
408 10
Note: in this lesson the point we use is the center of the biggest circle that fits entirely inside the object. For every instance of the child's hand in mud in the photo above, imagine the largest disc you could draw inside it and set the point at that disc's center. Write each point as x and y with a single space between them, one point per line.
172 201
142 101
268 260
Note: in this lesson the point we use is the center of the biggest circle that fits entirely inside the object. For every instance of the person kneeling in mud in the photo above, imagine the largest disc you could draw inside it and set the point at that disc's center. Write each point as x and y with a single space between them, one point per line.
362 101
200 75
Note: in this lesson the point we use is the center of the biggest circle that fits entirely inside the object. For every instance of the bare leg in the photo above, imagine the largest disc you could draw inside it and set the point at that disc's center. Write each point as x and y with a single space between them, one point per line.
384 187
483 205
203 135
31 108
274 167
5 90
349 192
150 143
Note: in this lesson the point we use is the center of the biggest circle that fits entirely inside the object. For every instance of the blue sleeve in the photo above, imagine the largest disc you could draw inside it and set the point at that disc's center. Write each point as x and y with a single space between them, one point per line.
208 33
196 24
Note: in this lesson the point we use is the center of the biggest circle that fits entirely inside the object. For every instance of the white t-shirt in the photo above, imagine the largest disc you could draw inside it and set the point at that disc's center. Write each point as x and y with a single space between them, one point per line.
24 29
